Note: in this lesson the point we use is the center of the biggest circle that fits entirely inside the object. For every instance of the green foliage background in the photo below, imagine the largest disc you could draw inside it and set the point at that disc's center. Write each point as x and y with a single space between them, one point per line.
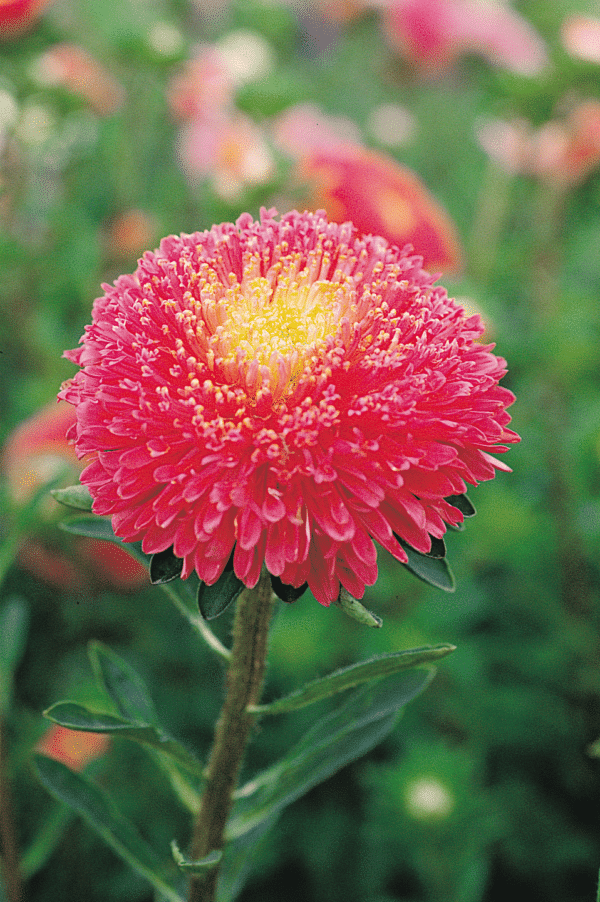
506 726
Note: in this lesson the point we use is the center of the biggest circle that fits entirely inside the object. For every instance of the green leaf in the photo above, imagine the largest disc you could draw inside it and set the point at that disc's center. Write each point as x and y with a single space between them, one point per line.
123 684
76 717
92 526
340 737
14 620
356 610
354 675
164 567
337 739
433 570
91 803
75 496
195 867
213 600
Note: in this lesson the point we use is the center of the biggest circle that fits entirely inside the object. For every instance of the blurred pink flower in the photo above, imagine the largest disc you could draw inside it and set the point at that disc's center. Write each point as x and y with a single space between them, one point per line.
369 188
74 748
34 453
230 151
581 38
203 88
434 33
74 69
18 15
562 152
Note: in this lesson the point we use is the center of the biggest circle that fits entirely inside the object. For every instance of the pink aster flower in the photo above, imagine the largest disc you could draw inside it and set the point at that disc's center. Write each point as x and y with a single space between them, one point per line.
284 392
434 33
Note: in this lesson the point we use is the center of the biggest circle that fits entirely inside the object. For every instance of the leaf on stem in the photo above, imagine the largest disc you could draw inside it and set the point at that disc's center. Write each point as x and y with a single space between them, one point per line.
354 675
337 739
74 496
192 868
91 803
14 621
77 717
123 684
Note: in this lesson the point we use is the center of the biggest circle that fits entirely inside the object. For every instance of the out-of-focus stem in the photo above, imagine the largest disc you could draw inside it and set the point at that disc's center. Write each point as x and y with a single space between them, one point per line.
11 870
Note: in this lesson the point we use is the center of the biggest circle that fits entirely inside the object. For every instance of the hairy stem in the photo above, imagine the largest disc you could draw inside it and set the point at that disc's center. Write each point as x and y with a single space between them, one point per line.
243 687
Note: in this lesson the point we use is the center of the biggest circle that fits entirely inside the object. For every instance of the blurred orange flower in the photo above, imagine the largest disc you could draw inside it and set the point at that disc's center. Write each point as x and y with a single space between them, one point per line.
73 747
34 453
17 15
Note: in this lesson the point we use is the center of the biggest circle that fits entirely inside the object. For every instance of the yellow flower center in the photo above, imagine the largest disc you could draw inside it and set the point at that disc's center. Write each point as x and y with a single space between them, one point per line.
265 329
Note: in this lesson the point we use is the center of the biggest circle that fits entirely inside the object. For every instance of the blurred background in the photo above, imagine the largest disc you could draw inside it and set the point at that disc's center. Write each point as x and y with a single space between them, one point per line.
469 128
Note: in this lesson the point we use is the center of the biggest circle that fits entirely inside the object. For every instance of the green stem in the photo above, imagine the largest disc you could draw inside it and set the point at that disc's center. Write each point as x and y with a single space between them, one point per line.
243 688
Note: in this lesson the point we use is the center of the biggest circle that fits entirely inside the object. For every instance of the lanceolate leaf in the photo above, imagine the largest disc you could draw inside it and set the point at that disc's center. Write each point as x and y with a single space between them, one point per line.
213 600
340 737
123 684
337 739
14 619
433 570
89 801
349 677
75 496
164 567
76 717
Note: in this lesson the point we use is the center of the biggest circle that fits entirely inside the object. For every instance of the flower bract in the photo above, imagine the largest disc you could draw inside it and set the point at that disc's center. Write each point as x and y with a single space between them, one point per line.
284 392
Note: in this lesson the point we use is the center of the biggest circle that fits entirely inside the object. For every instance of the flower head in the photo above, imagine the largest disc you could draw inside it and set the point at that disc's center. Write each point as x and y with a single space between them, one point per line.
284 392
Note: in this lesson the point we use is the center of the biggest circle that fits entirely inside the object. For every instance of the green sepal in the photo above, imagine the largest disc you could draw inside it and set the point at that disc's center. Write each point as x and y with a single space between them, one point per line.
165 567
77 717
123 684
14 622
335 740
199 867
431 569
285 592
356 610
74 496
91 803
213 600
352 676
91 526
463 503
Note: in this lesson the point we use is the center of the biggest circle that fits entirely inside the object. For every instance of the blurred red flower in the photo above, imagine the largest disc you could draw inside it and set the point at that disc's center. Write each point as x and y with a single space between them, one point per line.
17 15
369 188
581 37
35 452
74 748
285 392
434 33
